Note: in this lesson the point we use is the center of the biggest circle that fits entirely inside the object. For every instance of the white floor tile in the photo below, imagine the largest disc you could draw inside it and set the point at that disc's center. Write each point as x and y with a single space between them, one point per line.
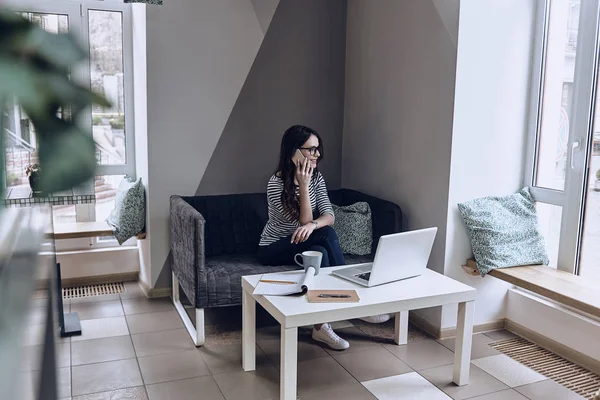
411 386
508 371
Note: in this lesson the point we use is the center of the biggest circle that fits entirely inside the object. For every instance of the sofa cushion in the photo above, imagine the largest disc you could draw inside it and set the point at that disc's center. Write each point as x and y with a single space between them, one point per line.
234 223
224 277
354 228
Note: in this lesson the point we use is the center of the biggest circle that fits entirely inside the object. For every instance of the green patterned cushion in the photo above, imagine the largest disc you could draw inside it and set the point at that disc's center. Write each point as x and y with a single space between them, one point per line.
354 228
504 231
129 215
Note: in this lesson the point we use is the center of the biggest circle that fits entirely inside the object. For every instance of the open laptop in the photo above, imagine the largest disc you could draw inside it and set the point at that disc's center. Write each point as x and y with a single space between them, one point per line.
398 256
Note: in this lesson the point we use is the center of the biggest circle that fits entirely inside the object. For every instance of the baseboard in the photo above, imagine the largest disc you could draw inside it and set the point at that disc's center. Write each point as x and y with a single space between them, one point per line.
92 280
478 328
446 333
154 293
99 279
554 346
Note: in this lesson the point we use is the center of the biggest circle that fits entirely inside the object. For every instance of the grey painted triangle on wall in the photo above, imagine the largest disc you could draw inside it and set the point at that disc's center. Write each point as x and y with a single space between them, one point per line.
265 9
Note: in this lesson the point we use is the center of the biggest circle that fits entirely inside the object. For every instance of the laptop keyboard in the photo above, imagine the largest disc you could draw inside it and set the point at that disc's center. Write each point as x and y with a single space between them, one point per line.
364 276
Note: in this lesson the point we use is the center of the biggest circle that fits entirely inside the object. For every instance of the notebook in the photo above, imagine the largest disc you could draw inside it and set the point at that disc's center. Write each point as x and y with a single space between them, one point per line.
301 282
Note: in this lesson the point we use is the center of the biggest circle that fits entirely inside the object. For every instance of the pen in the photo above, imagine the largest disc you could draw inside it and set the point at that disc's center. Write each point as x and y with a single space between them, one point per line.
272 281
335 296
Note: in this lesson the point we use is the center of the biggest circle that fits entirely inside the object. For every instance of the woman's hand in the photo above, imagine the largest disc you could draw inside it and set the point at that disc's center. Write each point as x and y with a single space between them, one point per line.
303 233
304 173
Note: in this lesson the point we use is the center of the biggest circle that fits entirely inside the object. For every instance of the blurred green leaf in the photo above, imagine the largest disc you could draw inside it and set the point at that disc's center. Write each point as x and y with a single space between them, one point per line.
34 70
59 50
67 159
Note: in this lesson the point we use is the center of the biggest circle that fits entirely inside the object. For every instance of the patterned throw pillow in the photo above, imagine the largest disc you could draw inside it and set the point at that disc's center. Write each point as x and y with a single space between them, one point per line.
504 231
354 228
129 215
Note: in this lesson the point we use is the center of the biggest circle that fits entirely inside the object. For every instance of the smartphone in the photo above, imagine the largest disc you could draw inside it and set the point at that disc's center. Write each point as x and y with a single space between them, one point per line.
298 158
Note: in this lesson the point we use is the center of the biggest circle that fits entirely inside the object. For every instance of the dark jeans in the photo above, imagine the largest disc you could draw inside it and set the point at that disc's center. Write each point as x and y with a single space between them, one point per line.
283 251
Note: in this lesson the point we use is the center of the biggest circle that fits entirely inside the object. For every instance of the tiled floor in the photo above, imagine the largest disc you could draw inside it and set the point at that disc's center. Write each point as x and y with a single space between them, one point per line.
134 348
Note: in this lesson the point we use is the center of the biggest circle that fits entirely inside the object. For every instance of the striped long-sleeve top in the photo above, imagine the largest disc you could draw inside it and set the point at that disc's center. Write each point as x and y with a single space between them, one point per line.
280 223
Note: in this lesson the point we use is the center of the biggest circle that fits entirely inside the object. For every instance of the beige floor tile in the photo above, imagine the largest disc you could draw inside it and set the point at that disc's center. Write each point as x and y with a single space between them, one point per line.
102 350
102 328
142 305
317 376
170 367
411 386
480 346
32 356
29 382
500 335
480 382
203 388
262 384
371 364
64 382
508 371
422 354
358 340
132 290
94 378
307 350
547 390
345 391
34 335
135 393
503 395
228 358
154 322
102 309
163 342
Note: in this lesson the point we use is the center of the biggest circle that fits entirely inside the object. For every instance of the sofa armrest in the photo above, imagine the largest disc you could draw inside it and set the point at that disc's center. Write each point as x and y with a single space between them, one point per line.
187 250
387 216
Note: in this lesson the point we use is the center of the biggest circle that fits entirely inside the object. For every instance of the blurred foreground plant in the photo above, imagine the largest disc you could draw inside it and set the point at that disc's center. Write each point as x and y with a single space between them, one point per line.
34 72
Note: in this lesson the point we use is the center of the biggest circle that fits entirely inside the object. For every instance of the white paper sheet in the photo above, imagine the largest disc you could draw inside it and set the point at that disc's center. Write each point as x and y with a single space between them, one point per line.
302 281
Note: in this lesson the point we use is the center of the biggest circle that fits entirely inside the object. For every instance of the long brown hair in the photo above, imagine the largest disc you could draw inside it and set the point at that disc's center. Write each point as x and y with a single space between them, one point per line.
293 139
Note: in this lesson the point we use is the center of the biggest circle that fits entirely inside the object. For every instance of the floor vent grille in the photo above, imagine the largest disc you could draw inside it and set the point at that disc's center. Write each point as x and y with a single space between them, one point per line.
77 292
570 375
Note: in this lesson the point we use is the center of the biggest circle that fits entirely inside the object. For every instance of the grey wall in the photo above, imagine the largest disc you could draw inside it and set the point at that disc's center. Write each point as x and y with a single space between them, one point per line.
297 78
199 54
400 73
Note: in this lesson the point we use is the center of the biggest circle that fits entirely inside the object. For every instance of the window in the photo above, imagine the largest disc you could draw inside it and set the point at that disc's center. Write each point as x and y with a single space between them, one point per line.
104 29
564 145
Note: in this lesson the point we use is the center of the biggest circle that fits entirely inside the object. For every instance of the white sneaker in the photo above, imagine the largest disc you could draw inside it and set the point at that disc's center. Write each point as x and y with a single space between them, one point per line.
329 337
377 319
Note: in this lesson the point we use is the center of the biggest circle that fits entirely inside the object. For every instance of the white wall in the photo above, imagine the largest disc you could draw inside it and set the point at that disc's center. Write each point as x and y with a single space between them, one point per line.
140 109
549 319
489 132
198 55
400 74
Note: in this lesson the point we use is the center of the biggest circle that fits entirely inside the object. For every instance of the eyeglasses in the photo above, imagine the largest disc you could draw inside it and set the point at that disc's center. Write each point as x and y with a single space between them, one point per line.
311 150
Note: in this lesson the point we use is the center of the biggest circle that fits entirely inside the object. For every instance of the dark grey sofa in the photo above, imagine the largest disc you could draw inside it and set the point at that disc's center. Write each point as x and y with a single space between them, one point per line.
214 240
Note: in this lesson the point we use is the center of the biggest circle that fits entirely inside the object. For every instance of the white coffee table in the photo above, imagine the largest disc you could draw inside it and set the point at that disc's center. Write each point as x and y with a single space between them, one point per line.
428 290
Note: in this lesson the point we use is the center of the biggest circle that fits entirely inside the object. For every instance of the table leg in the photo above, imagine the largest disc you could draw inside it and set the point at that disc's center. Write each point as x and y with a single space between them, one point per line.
401 327
462 348
248 331
289 363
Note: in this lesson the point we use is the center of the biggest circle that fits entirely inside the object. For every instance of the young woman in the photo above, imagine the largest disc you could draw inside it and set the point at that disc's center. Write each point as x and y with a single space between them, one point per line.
301 216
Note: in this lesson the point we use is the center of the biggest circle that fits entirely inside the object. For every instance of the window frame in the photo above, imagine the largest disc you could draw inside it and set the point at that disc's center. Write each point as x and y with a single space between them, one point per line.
77 12
572 198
